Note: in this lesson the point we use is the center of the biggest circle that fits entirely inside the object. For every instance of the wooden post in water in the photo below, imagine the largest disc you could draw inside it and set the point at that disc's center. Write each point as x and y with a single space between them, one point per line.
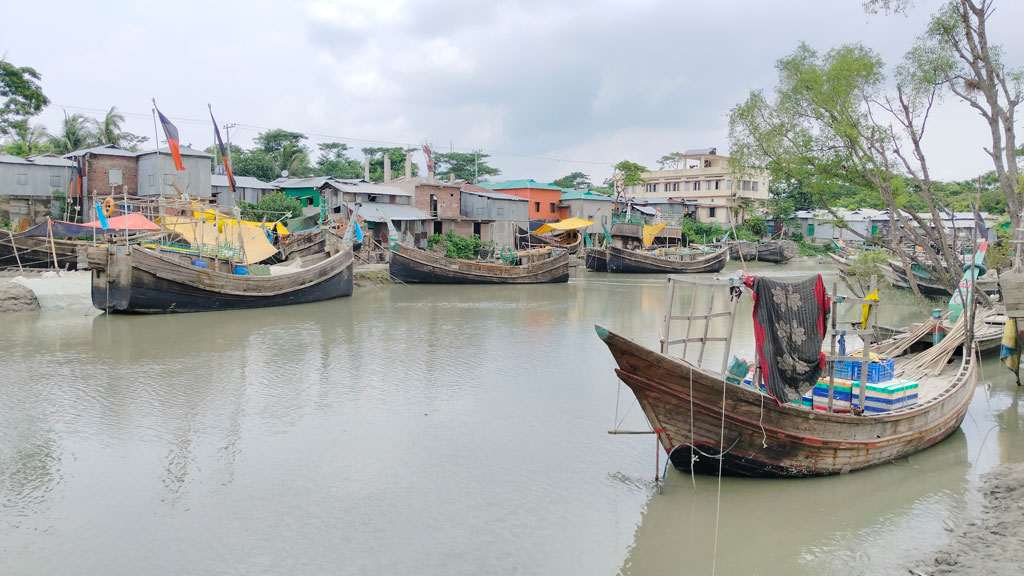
53 248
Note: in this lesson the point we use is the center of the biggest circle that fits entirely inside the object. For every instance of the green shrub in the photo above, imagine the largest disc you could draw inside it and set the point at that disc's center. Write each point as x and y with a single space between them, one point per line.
456 246
272 207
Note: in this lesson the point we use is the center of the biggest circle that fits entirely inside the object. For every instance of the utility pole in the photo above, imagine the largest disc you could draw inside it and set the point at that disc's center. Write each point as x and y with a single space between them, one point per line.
227 132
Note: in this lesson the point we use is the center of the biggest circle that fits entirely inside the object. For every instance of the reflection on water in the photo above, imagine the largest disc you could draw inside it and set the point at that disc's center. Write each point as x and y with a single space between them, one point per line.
415 429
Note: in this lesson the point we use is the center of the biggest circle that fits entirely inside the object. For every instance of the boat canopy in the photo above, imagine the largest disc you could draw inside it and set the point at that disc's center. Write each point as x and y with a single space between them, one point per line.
62 229
212 215
223 236
567 224
651 232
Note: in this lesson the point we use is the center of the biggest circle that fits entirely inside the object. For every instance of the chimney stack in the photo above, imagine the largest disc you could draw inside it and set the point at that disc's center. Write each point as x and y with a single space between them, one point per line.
366 168
387 168
408 165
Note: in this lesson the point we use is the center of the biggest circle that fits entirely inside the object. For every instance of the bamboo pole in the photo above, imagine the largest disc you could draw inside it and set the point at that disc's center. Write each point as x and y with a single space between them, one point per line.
867 346
14 247
832 372
666 325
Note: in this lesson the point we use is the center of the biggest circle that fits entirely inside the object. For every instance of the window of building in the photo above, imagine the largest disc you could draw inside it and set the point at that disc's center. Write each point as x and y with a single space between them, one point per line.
696 186
22 179
728 184
604 219
753 185
711 212
746 185
536 206
675 187
114 178
55 181
552 204
686 187
718 184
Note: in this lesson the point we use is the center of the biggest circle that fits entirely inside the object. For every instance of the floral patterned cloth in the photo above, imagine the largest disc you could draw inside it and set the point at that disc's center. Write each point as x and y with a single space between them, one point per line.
789 326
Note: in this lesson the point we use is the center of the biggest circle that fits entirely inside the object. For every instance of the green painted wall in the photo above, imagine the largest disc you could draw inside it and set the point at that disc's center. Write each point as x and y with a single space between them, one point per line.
312 193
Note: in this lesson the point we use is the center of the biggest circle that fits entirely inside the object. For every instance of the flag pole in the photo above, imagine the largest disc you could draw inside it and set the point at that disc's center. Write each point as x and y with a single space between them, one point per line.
156 134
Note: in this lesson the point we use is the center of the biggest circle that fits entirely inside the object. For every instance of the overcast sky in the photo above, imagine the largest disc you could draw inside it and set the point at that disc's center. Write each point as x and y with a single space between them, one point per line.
546 87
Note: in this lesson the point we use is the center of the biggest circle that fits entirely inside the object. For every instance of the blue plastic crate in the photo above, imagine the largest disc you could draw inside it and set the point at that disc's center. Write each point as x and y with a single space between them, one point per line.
882 371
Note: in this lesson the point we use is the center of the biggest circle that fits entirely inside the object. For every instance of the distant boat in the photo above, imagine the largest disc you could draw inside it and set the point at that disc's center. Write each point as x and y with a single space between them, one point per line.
743 249
302 243
666 261
411 265
777 251
596 259
146 280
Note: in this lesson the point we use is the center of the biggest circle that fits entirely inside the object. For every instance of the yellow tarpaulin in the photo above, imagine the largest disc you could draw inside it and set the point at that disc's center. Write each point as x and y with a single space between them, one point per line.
650 232
213 215
867 309
567 224
205 237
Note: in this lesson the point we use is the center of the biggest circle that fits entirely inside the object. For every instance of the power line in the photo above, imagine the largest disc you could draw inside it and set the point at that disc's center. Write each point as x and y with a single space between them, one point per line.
333 138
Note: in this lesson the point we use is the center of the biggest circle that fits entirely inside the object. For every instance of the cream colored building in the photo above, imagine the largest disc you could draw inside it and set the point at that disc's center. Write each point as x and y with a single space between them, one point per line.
704 177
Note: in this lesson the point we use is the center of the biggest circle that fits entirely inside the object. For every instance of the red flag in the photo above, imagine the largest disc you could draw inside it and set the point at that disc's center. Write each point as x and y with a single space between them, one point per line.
223 152
171 133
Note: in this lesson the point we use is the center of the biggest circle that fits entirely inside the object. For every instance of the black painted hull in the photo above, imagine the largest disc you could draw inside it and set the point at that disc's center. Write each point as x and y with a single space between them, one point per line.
410 266
596 260
628 262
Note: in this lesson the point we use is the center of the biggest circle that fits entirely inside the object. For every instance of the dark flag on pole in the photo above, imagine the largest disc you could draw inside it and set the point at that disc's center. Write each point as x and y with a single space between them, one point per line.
223 152
979 223
171 133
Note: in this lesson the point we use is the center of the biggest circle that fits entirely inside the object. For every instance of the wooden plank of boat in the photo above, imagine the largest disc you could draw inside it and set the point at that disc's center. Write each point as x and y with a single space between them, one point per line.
800 442
743 249
596 259
134 279
302 243
628 261
414 265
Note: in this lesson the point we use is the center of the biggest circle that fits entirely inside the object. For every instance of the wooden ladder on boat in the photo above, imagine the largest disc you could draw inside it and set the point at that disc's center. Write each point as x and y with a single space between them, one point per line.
866 333
694 283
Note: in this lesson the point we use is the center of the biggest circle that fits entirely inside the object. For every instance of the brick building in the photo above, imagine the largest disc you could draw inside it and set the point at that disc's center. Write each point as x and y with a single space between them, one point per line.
106 170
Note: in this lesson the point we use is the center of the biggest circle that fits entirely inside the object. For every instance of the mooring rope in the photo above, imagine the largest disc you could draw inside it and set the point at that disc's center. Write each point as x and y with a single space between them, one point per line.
718 504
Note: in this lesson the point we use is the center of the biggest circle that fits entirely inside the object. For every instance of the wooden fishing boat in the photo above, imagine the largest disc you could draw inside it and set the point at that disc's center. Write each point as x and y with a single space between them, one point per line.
777 251
596 259
841 259
742 249
138 279
661 262
897 276
705 422
35 252
546 265
302 243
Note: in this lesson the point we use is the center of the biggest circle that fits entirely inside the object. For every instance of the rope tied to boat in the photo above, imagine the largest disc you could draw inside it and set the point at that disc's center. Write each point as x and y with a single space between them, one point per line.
694 458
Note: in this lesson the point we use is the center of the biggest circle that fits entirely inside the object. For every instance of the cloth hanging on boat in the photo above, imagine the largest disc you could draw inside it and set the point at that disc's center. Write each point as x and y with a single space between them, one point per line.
223 237
867 309
61 229
651 232
1009 352
789 326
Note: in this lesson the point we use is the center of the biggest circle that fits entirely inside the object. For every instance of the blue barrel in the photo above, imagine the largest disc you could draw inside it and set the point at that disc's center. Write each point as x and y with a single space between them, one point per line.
241 270
198 263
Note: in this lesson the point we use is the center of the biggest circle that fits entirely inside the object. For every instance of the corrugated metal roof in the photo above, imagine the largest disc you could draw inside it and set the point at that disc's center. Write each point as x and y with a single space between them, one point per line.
240 182
495 195
314 182
107 150
569 194
360 187
43 160
183 150
701 152
379 212
519 184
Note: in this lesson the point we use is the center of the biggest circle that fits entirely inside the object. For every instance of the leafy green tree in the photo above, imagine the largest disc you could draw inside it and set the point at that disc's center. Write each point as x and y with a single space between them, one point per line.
630 173
75 133
671 161
826 129
272 207
576 180
21 97
30 139
467 166
397 155
286 151
956 54
254 163
109 129
334 161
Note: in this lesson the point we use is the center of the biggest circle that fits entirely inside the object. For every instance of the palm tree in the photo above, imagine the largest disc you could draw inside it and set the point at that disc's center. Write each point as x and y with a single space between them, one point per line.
292 158
74 134
109 130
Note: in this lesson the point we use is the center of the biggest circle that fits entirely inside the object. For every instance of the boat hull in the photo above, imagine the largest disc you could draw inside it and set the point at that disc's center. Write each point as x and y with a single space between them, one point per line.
777 251
411 265
764 439
38 252
138 281
630 262
596 259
